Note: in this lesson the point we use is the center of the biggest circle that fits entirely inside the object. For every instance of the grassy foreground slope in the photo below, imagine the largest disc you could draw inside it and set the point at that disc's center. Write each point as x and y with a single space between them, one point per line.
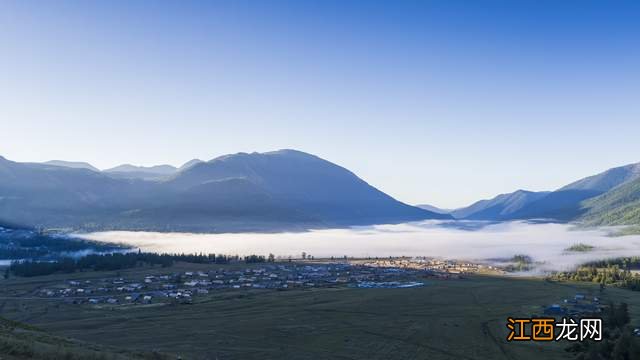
21 341
620 206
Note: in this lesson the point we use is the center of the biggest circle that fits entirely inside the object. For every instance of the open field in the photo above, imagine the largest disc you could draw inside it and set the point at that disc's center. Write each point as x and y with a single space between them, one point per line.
21 341
445 319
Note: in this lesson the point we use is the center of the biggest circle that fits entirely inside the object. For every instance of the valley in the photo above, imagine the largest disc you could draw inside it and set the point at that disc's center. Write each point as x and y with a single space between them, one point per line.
336 321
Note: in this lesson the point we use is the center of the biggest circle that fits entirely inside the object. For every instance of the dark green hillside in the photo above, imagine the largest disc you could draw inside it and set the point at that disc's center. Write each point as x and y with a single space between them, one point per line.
620 206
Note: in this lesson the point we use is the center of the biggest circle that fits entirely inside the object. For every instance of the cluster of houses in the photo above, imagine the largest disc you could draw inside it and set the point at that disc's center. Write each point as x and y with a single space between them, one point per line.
184 286
435 267
579 305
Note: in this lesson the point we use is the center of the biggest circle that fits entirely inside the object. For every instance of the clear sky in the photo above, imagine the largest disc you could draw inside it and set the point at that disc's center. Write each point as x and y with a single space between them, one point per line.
441 102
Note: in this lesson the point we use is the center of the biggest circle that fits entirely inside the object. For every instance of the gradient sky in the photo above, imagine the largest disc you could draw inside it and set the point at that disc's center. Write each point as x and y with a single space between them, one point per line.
440 102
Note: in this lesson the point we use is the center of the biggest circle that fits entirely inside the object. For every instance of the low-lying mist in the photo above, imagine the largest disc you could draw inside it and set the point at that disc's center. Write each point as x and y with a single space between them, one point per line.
483 242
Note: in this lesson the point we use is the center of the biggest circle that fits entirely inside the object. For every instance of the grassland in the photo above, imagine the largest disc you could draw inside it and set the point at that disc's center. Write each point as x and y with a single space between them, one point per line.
20 341
445 319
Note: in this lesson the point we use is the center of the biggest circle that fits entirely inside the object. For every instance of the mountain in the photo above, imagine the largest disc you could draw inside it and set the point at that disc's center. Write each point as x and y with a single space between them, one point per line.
278 190
158 169
607 180
72 164
128 171
565 204
500 207
560 205
620 206
315 188
434 209
189 164
44 195
568 203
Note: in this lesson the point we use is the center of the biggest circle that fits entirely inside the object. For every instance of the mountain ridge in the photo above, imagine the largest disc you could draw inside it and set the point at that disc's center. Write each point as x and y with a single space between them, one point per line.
500 207
259 191
72 164
155 169
565 204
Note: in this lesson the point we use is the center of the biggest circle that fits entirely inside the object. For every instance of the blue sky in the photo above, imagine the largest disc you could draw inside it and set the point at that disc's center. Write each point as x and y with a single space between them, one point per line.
441 102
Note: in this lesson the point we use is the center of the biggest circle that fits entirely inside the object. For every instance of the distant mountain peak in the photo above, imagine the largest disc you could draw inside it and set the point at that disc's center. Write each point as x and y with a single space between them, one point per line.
289 152
499 207
277 153
156 169
606 180
72 164
522 191
128 171
190 163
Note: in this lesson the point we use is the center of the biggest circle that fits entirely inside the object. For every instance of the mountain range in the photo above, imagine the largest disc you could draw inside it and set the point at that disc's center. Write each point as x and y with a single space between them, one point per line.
128 171
278 190
285 189
608 198
72 164
501 207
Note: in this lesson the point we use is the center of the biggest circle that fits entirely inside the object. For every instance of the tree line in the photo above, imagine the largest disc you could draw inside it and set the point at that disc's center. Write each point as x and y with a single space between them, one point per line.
618 341
615 272
118 261
32 245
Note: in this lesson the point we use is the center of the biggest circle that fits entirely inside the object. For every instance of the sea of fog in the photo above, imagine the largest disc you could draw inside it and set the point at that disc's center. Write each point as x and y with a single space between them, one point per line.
476 241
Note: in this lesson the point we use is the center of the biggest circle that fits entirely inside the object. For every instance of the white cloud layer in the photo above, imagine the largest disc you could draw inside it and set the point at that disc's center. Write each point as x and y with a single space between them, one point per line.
545 243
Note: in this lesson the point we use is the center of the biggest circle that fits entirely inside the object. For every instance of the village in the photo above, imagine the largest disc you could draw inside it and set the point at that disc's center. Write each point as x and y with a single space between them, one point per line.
182 287
434 266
